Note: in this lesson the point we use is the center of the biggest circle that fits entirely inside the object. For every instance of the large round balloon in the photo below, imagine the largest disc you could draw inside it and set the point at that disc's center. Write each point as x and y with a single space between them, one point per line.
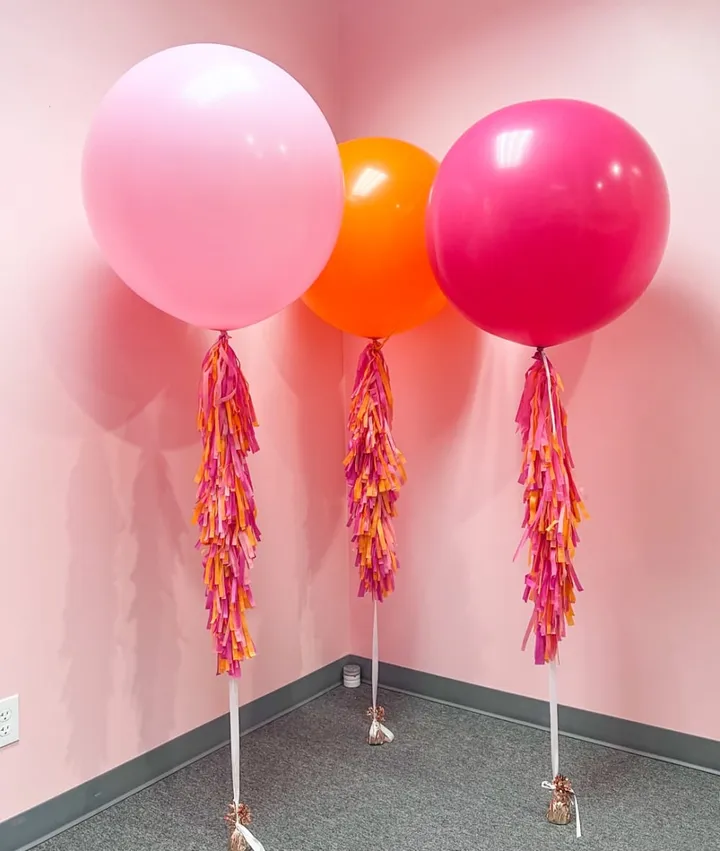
212 184
547 220
379 280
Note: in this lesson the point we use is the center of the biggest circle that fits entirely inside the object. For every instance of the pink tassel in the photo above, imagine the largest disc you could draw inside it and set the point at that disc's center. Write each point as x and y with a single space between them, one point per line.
553 509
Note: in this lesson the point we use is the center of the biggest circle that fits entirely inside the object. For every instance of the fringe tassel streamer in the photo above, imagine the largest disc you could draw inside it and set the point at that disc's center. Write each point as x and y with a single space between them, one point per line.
553 509
225 509
374 472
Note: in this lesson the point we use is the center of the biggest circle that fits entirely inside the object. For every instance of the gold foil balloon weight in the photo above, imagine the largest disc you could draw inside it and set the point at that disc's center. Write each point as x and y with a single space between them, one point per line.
560 809
379 733
238 815
238 842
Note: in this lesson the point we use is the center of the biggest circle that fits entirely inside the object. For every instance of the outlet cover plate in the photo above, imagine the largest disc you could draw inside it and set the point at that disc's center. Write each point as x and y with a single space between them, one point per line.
9 721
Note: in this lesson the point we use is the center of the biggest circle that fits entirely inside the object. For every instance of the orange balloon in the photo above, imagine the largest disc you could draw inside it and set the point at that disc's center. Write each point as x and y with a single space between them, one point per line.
378 280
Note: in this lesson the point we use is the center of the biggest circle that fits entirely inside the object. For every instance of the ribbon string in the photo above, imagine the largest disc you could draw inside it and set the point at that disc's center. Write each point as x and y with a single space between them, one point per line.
552 662
240 816
552 666
375 657
554 726
379 734
235 741
546 366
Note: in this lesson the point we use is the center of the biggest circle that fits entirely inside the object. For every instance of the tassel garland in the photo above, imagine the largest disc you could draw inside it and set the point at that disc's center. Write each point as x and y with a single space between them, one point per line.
553 509
374 472
225 510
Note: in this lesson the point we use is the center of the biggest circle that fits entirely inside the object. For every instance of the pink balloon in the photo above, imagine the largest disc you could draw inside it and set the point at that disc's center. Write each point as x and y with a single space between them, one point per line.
547 220
213 184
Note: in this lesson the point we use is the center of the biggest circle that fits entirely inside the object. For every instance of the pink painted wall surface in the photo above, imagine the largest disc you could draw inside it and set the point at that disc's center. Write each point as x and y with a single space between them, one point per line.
101 619
641 394
102 626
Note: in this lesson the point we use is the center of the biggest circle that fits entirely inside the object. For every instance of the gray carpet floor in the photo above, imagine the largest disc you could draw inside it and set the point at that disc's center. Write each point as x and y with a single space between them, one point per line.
451 781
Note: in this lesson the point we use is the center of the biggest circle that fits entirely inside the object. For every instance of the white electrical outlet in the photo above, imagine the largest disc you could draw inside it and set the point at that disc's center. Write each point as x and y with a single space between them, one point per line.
9 721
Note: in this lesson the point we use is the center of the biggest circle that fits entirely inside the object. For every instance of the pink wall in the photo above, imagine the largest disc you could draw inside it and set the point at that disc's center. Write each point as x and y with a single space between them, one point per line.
102 627
101 621
641 394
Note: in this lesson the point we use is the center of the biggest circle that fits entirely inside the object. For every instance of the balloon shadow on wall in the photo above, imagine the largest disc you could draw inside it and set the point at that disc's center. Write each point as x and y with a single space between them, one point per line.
433 373
162 534
309 359
655 468
492 457
94 524
133 370
114 354
457 391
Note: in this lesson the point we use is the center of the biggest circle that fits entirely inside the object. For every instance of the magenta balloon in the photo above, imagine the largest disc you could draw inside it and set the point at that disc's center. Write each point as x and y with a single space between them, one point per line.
547 220
213 184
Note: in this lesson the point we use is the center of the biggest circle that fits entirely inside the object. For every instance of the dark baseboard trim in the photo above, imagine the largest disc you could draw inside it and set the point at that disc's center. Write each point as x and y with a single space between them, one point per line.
40 823
655 742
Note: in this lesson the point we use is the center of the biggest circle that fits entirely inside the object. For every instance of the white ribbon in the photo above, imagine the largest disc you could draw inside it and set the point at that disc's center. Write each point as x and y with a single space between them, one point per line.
554 727
546 364
552 666
235 738
375 655
376 726
254 843
251 840
546 784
